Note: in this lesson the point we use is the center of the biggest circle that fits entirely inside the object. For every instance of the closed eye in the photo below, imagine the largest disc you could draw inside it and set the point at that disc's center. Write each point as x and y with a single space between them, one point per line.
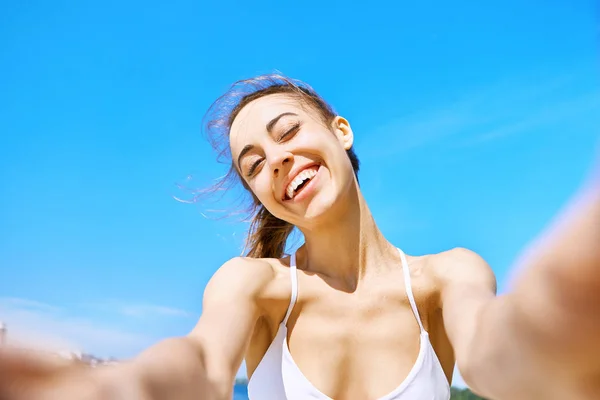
292 130
253 167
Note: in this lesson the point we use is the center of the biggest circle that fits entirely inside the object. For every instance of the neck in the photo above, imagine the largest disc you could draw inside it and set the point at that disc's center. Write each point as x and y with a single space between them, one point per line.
348 246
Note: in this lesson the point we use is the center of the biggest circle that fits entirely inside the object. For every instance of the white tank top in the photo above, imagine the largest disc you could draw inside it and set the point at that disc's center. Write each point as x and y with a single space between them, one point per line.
277 377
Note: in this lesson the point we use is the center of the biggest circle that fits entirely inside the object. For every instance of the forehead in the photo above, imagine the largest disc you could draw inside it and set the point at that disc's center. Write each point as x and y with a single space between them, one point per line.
253 118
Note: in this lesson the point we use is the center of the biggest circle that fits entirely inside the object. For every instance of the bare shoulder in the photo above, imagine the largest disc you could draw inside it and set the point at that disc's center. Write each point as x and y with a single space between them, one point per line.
255 278
240 276
462 266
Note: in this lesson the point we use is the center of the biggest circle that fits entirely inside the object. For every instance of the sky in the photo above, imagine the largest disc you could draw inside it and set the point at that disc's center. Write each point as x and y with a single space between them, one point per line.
475 122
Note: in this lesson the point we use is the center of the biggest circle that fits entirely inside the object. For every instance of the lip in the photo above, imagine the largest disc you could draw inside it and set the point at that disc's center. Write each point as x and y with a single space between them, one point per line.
293 174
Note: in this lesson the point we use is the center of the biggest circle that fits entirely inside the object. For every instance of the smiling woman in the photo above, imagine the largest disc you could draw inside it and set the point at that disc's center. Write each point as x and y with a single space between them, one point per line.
349 315
294 155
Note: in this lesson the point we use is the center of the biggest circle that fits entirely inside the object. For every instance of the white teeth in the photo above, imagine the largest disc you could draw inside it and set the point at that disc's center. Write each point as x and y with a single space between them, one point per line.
297 181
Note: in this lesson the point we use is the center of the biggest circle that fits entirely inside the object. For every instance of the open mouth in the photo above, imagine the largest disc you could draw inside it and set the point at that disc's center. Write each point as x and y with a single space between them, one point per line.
300 182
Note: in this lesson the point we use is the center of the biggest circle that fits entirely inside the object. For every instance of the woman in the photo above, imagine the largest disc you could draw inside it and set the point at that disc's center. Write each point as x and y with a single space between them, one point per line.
349 315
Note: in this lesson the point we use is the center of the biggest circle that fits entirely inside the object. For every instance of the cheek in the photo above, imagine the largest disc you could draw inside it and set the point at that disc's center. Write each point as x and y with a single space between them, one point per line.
320 140
262 189
323 142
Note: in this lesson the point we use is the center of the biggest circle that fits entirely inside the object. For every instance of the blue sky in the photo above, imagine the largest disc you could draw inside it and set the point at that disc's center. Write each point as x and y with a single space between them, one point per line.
474 122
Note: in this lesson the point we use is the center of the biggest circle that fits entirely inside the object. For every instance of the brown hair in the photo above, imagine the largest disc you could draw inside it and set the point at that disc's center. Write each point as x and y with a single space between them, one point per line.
268 234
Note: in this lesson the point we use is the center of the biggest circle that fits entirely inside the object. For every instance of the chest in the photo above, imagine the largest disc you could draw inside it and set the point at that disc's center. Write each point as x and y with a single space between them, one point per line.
347 344
362 344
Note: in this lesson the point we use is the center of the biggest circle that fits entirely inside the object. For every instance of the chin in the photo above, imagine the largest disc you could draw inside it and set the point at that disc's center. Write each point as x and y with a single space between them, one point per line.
324 208
329 203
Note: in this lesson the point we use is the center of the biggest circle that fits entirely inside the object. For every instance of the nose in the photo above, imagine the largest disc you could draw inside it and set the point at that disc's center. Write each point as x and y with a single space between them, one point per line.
279 161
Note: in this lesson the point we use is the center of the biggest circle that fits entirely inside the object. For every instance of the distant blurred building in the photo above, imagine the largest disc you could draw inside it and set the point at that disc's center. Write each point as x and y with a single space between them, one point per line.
76 356
3 333
85 358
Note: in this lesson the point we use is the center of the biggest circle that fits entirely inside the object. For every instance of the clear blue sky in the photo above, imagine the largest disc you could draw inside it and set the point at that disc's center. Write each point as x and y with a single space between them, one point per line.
475 122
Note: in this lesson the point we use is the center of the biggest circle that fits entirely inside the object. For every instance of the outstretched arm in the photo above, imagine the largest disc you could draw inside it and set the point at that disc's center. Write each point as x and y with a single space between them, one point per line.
202 364
541 339
216 346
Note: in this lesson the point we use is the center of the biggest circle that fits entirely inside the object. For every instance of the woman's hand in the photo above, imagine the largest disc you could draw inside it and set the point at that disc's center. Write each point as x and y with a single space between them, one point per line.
29 375
540 339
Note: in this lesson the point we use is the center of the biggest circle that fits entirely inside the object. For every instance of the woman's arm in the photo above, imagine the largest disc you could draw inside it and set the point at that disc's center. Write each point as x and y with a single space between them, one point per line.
202 364
216 346
541 339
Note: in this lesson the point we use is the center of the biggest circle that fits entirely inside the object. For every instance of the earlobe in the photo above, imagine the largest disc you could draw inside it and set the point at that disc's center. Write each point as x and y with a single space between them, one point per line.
344 132
349 141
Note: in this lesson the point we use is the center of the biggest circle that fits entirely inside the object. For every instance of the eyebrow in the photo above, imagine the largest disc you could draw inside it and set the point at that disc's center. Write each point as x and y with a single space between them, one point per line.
246 149
269 127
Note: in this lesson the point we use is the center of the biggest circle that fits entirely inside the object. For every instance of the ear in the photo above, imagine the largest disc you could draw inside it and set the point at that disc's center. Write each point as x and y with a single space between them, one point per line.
343 131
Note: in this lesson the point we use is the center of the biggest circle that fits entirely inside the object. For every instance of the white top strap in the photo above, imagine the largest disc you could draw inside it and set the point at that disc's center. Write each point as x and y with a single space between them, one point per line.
409 292
294 279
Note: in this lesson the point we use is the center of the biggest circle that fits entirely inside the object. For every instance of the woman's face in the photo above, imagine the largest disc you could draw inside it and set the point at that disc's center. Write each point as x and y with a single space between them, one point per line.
295 165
